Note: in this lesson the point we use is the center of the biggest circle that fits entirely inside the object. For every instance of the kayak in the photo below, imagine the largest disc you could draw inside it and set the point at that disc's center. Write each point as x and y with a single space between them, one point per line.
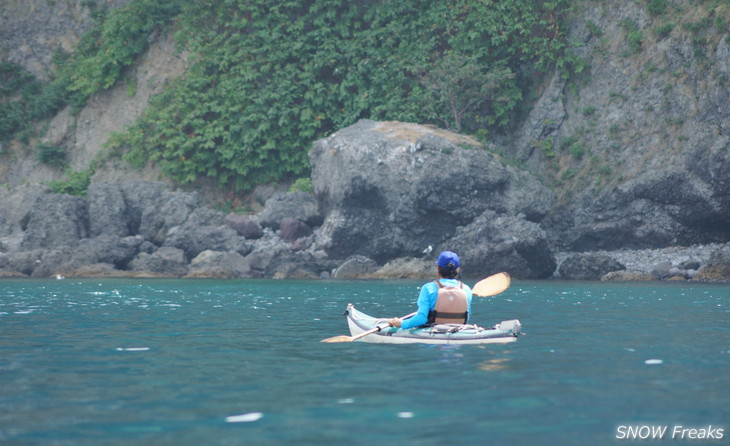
359 322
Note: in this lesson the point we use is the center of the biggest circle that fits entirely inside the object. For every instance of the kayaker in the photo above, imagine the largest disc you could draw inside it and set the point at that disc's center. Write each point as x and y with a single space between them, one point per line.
445 300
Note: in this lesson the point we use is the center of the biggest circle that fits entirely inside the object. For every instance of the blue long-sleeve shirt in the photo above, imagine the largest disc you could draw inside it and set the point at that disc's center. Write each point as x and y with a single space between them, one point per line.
427 301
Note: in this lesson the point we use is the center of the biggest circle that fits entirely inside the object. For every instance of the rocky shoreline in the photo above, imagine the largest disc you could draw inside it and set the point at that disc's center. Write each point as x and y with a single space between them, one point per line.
145 229
671 263
377 211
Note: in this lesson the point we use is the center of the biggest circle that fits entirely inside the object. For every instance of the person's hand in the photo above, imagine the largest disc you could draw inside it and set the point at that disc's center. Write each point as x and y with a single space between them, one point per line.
396 322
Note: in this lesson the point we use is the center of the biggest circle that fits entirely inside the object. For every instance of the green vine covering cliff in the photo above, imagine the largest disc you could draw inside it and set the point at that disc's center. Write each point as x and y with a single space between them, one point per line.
269 77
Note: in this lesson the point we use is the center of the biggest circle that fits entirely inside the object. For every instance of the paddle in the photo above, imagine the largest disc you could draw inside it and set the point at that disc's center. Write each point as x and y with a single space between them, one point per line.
492 285
345 338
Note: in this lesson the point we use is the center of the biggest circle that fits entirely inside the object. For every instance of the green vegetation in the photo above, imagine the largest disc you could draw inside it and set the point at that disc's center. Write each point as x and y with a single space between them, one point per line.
97 63
303 184
574 146
103 53
634 35
76 183
269 77
24 100
664 29
657 7
52 155
589 110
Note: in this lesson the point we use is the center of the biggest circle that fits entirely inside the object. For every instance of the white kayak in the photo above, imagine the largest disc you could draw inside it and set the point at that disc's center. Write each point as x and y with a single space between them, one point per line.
359 322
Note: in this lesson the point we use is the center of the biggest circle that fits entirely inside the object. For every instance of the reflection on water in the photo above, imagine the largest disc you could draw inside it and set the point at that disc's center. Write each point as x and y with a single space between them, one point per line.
492 365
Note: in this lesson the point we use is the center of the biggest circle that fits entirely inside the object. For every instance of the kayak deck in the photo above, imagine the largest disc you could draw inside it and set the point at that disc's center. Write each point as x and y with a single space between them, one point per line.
359 322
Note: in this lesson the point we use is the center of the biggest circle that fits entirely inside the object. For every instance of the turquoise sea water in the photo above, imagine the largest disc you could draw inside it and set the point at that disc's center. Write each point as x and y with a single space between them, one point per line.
206 362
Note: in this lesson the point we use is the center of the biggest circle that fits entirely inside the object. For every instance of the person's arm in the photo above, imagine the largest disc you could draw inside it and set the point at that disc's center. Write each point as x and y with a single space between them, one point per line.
468 301
424 306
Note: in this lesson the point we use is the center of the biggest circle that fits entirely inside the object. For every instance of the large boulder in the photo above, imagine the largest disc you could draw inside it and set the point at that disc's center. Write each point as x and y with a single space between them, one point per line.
166 261
147 208
299 205
588 266
355 267
154 209
108 213
389 189
67 259
55 220
493 243
17 203
219 265
204 230
265 253
292 229
245 226
406 268
296 265
22 262
717 268
11 230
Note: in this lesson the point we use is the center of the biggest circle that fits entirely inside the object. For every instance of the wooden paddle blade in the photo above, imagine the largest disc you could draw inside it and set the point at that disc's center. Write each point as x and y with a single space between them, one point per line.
492 285
342 338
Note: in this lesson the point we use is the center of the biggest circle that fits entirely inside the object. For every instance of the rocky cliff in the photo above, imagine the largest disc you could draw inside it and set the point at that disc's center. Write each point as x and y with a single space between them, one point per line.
632 154
643 138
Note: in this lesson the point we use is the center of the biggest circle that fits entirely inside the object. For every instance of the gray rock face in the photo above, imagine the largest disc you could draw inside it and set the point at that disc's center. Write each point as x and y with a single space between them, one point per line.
108 214
656 210
55 220
245 226
392 189
654 147
31 29
355 267
135 226
17 203
205 230
717 268
219 264
299 205
588 266
292 229
153 209
137 207
164 261
493 243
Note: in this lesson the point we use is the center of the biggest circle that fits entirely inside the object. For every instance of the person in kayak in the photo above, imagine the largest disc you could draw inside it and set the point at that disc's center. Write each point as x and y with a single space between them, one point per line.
445 300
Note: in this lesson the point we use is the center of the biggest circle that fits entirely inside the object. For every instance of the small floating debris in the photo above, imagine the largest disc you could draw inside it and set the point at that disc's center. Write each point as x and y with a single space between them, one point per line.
345 401
132 349
405 414
654 361
245 418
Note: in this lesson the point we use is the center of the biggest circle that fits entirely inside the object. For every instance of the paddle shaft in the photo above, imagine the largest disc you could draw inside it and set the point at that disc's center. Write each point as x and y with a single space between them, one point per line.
378 328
